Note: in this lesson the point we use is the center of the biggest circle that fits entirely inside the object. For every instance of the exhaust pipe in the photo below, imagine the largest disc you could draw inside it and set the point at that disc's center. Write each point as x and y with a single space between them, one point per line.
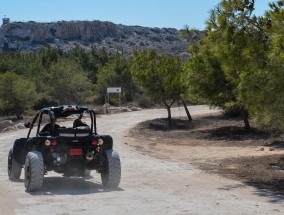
89 156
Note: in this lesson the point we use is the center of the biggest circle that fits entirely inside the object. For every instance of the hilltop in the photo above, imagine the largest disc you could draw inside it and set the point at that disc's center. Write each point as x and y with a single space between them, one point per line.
32 36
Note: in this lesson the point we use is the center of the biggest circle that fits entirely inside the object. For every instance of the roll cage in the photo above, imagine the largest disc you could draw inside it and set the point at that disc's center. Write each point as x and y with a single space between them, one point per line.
62 111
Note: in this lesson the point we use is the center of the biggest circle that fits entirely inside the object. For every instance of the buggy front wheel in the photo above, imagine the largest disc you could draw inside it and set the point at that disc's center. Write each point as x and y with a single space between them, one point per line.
14 168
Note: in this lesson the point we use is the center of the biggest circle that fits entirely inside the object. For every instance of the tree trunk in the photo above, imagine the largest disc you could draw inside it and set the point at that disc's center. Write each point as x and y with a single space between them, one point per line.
246 120
169 115
168 107
17 109
186 110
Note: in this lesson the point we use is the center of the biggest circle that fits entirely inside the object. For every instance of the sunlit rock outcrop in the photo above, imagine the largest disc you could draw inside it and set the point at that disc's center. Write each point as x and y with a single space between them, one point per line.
66 35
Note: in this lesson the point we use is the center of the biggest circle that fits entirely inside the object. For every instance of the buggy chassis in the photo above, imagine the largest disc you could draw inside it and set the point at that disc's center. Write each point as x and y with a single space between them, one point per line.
71 151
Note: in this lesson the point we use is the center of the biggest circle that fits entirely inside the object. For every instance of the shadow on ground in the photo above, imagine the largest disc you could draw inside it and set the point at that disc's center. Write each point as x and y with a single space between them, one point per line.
71 186
214 130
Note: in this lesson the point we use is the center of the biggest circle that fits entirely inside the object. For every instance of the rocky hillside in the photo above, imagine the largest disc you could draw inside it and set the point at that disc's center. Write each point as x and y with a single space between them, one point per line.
65 35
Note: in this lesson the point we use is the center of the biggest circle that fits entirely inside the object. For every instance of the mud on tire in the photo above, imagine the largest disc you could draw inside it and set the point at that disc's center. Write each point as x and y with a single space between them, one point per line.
14 168
34 171
112 174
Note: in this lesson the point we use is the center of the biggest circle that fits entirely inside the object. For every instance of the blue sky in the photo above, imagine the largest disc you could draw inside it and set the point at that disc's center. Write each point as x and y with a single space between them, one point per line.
149 13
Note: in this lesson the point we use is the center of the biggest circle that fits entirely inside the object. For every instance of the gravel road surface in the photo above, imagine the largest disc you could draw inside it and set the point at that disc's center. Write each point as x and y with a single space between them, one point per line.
148 185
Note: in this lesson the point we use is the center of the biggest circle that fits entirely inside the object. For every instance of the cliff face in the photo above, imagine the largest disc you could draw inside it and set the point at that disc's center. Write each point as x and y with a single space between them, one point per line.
66 35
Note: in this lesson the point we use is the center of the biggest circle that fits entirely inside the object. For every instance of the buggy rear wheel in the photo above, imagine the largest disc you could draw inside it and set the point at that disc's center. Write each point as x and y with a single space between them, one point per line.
34 171
112 174
14 168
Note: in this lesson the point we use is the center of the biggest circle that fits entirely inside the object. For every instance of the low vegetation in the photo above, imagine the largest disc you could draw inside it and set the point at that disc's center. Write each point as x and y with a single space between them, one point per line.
236 65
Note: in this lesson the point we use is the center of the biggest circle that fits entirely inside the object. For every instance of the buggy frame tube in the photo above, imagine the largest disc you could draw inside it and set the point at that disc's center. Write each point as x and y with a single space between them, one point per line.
94 121
32 125
39 123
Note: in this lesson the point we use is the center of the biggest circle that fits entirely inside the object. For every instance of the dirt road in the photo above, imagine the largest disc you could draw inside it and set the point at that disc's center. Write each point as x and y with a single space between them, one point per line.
148 185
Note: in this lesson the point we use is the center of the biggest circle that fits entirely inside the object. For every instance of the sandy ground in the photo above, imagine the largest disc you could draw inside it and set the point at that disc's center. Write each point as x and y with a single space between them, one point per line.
150 184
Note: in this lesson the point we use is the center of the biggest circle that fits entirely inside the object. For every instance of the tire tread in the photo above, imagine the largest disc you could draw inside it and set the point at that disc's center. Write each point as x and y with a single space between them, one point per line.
35 161
16 168
111 178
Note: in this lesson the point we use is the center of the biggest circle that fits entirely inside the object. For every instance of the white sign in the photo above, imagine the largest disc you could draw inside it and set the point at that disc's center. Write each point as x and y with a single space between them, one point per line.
114 90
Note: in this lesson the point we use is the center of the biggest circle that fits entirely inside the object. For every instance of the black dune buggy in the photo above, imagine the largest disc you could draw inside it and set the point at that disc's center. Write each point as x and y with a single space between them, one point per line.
73 151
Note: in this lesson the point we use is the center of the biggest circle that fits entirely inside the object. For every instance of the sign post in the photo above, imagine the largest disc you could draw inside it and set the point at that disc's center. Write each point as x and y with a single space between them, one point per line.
114 90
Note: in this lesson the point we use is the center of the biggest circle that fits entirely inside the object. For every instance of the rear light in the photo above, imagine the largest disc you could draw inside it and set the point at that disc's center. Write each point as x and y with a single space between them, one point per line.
101 141
47 142
53 142
94 141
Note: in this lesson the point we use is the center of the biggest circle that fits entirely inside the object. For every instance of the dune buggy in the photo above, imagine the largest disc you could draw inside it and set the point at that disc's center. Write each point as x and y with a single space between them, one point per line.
53 145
